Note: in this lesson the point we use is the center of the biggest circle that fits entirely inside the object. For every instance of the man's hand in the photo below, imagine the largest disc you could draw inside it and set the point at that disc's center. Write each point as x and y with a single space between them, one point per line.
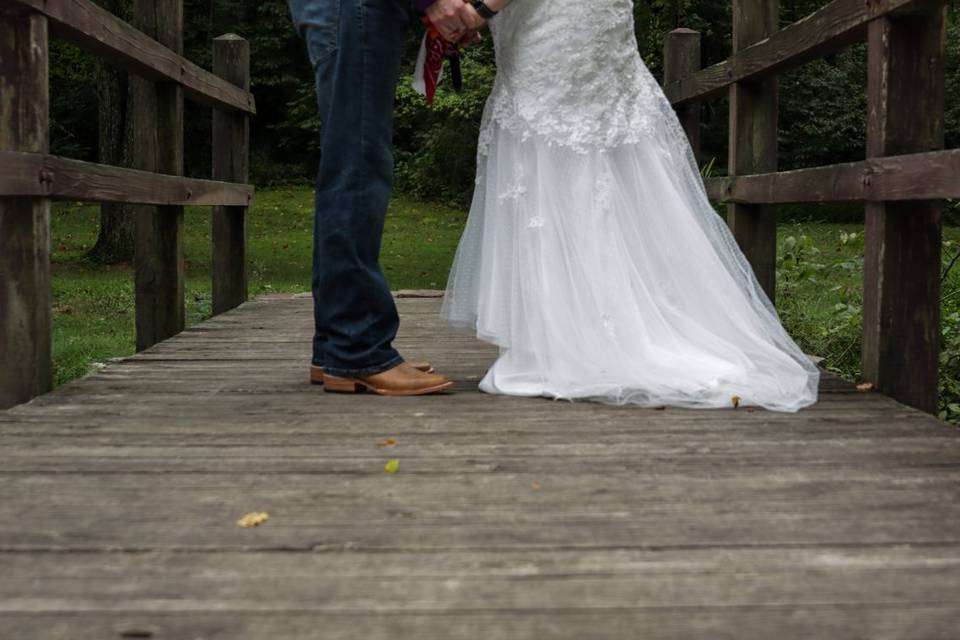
454 18
470 39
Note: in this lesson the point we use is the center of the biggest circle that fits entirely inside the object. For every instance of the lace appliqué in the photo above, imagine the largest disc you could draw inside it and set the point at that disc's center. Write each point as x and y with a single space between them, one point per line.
609 325
604 191
609 99
516 190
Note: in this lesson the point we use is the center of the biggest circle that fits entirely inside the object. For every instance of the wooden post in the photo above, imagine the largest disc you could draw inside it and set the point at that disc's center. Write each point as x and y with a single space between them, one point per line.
901 297
753 141
25 296
681 59
158 146
231 135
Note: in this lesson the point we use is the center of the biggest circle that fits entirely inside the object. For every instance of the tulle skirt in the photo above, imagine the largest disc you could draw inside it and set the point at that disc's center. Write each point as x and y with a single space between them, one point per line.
607 275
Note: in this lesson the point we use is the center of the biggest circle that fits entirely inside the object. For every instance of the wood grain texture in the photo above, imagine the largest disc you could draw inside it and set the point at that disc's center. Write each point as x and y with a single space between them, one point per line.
509 517
902 255
231 152
754 120
25 295
824 620
681 59
830 29
916 176
157 114
38 174
101 33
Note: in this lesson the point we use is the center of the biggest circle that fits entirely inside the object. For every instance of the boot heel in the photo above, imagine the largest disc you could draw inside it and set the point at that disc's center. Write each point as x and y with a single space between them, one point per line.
340 385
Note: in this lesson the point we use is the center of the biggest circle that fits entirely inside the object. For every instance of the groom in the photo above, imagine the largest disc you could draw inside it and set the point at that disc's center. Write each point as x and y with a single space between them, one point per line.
354 47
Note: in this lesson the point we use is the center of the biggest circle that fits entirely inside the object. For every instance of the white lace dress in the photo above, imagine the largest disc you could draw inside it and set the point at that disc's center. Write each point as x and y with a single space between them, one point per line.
592 256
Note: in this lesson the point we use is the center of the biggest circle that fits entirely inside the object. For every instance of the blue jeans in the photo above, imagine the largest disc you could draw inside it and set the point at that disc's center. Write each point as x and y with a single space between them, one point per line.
355 47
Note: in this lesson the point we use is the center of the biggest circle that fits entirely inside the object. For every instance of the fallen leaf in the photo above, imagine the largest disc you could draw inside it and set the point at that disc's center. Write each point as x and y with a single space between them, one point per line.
536 486
736 401
866 386
392 466
252 520
389 442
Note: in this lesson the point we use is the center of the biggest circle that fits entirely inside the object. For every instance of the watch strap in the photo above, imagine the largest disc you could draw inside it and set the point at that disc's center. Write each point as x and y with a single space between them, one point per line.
482 8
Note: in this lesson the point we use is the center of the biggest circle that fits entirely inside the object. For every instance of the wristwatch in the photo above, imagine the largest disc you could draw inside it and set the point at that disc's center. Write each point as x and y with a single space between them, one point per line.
485 12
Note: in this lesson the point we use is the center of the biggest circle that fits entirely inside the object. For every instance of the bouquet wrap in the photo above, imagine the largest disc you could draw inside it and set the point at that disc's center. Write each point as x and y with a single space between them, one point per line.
433 51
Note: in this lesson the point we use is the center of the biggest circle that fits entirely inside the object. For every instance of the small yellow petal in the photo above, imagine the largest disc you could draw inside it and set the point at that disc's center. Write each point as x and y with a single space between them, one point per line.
253 520
392 466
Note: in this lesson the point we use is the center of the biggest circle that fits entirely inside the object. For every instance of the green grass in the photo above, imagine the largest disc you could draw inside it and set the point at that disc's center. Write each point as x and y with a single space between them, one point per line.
820 291
94 304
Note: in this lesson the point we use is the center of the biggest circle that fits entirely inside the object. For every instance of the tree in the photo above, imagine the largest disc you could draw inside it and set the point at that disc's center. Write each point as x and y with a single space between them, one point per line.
115 242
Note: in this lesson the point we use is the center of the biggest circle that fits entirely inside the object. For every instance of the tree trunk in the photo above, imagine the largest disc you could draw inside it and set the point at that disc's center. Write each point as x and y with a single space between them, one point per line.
117 223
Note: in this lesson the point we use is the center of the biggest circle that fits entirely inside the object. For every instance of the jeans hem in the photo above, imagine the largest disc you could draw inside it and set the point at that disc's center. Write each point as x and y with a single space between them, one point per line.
361 373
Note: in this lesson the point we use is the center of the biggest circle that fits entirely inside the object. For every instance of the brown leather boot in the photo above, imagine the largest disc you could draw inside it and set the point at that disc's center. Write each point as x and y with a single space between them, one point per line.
402 380
316 373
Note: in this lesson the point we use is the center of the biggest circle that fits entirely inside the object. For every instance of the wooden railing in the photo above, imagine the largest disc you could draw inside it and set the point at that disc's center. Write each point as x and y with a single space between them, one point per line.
30 178
903 181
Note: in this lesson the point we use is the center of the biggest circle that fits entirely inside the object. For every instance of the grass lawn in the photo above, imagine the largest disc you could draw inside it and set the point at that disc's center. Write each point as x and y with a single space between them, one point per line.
94 304
819 293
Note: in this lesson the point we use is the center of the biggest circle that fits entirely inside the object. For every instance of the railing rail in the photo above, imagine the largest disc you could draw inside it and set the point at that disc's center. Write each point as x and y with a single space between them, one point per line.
903 181
831 29
933 175
30 177
42 175
103 34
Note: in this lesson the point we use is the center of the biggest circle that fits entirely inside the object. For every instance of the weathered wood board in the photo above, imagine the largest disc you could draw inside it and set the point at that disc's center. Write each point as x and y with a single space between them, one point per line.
508 518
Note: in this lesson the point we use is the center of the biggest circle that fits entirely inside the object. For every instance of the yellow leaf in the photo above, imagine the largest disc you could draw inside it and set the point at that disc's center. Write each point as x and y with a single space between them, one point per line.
392 466
736 401
866 386
389 442
253 520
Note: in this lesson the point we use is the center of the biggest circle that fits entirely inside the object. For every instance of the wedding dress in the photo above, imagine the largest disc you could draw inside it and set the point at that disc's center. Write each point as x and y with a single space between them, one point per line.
592 255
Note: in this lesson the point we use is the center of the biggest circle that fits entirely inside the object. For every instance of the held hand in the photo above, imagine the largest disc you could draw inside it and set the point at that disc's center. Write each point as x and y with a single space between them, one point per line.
470 39
454 18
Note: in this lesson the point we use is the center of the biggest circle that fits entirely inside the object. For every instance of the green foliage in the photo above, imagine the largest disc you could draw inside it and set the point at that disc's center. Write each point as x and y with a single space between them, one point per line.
819 295
73 102
950 333
953 77
824 111
820 301
436 146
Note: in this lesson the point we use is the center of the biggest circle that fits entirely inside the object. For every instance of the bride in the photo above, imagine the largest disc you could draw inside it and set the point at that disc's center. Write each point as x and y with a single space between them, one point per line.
592 256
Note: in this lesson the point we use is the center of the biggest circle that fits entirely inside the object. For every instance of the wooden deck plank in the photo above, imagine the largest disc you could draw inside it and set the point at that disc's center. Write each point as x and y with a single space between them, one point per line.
509 517
876 622
545 581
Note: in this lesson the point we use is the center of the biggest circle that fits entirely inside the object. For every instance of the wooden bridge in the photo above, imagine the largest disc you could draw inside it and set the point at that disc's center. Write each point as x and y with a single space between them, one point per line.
120 493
